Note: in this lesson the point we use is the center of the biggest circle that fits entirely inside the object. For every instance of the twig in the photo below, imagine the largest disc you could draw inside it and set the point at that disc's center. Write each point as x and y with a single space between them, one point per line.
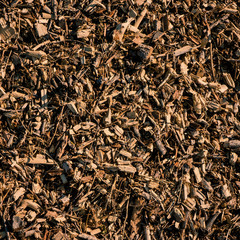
59 119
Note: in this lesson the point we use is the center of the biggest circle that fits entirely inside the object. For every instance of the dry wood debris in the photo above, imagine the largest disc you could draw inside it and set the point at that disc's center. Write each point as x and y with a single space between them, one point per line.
119 119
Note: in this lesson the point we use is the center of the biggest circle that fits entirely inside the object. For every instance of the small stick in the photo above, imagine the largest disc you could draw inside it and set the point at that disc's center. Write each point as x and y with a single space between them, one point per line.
139 20
147 233
60 117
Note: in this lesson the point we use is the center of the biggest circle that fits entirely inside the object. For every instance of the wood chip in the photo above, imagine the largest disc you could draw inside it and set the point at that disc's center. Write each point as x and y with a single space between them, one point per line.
182 50
39 159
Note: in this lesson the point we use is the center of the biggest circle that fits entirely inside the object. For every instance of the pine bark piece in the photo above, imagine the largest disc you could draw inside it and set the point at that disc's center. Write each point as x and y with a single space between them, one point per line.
59 236
6 32
21 191
31 204
31 215
108 133
132 13
233 144
157 36
177 214
36 188
212 220
233 158
83 33
225 191
144 52
3 235
118 33
17 223
139 2
41 29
